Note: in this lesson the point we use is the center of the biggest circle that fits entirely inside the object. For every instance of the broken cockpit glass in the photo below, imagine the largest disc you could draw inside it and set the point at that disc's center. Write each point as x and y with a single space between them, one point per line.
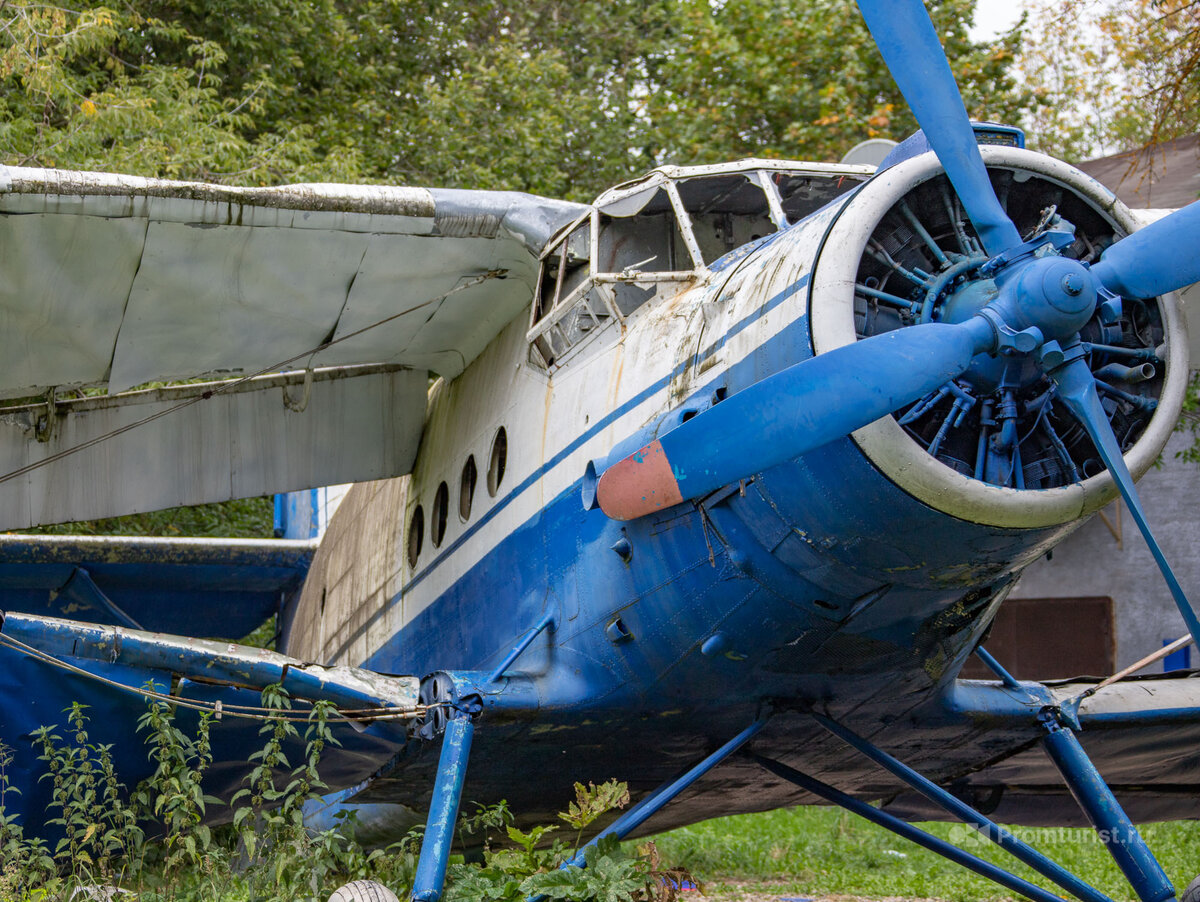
652 237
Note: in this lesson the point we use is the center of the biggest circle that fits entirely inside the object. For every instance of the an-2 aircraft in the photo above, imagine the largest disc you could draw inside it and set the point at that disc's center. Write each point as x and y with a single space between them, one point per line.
722 480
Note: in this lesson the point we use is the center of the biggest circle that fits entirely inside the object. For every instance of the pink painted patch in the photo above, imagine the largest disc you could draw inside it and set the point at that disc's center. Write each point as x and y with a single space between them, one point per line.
638 485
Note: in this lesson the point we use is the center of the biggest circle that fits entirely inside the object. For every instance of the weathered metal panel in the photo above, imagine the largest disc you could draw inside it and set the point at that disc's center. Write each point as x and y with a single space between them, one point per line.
413 274
357 571
236 444
209 299
58 322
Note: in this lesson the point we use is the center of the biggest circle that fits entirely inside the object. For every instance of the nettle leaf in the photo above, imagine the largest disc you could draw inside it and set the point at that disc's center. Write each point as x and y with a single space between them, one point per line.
560 883
592 801
528 840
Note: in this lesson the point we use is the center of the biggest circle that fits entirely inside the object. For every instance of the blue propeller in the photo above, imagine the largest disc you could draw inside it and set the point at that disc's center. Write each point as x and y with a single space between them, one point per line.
910 47
1041 306
1164 256
826 397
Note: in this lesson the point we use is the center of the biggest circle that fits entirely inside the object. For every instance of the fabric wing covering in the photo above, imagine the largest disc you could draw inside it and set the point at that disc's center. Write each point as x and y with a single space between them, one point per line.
120 282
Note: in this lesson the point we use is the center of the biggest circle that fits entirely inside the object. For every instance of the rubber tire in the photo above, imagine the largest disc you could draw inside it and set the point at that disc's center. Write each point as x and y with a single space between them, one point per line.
363 891
1192 893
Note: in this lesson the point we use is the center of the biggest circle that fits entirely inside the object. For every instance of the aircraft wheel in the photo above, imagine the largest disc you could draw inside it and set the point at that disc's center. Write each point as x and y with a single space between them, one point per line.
1192 893
363 891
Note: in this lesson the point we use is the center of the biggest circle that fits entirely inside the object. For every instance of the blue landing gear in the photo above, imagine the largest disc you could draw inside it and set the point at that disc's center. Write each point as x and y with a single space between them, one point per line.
1118 833
443 809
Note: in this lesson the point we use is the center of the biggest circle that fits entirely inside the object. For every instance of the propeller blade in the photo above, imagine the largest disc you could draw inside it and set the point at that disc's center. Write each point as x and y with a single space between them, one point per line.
807 405
1077 389
910 47
1156 259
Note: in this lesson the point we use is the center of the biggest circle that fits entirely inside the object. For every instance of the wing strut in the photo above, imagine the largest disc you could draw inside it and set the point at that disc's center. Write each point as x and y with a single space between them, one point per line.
1119 834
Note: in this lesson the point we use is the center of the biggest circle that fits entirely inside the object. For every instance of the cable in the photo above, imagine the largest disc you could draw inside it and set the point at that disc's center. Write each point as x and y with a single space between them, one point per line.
394 712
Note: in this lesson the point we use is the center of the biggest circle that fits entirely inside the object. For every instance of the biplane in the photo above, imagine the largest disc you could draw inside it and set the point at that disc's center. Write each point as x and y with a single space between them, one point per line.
721 480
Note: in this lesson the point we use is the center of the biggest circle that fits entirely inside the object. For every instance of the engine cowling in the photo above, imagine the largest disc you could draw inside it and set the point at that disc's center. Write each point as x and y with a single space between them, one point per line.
994 447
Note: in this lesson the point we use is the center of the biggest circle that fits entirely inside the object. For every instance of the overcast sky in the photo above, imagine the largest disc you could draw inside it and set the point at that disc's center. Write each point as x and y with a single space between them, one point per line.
993 17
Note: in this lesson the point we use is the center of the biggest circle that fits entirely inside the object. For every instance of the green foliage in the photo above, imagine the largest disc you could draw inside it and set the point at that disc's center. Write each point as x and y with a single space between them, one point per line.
811 851
543 96
531 865
173 793
1189 419
1112 75
100 831
248 518
24 861
154 841
803 80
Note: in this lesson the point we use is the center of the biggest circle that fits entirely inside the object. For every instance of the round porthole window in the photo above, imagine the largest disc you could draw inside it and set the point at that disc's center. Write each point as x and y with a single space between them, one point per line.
466 488
437 517
499 459
416 535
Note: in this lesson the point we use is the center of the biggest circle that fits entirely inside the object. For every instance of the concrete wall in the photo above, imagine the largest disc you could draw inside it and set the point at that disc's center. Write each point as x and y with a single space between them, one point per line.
1093 562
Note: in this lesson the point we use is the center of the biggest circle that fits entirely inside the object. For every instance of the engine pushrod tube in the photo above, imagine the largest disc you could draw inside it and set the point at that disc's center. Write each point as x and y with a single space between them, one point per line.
443 810
1020 850
1113 826
908 831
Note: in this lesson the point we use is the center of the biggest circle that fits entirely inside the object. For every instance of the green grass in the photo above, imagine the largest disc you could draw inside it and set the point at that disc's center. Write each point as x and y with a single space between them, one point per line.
246 518
817 851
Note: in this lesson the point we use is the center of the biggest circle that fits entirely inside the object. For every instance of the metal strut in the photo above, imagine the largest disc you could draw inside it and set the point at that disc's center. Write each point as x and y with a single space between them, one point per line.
908 831
653 803
443 809
1113 826
968 815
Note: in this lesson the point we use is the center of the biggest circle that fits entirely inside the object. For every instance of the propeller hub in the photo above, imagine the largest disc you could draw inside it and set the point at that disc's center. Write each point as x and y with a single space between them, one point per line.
1056 294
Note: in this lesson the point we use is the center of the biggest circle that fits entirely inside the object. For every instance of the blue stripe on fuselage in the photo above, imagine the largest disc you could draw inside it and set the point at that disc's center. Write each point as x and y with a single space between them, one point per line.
570 448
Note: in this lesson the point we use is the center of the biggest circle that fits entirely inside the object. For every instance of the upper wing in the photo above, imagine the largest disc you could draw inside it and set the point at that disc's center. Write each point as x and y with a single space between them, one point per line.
119 281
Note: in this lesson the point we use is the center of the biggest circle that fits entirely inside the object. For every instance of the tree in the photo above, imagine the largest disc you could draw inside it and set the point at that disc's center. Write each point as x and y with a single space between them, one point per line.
803 80
546 96
1112 75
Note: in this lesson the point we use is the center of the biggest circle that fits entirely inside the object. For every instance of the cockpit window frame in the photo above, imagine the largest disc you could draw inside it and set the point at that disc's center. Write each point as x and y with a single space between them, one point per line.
558 329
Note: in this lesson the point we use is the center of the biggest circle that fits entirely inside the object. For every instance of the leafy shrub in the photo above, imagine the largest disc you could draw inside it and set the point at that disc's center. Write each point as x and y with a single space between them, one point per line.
154 840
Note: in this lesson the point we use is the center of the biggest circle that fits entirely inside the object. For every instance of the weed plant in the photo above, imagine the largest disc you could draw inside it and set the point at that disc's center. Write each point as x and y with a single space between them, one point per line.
153 841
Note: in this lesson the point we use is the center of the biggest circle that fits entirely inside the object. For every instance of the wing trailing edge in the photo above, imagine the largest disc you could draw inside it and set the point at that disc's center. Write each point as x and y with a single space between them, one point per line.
87 458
